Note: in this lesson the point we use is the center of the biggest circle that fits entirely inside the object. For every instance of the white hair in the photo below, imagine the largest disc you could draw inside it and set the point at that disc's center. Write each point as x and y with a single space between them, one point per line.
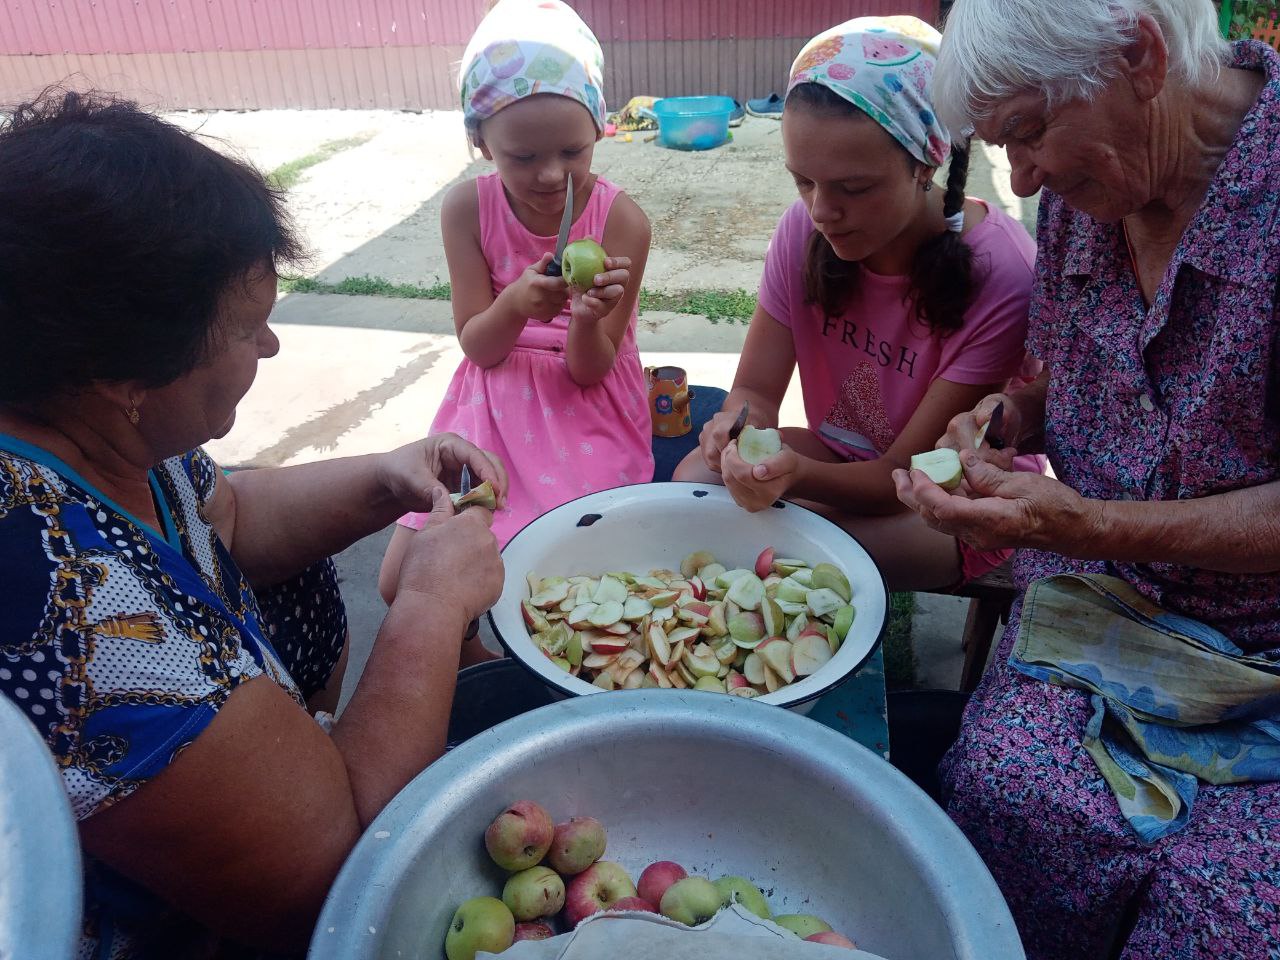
1066 50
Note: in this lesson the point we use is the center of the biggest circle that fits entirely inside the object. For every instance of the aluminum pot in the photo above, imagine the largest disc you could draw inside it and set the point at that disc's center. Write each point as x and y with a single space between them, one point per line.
718 784
40 876
654 525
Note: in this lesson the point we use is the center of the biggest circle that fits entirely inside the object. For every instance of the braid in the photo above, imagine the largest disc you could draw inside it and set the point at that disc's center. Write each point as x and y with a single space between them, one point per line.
942 274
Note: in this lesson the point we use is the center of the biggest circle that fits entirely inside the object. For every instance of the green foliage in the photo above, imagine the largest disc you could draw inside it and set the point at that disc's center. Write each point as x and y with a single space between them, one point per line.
1246 13
366 286
899 657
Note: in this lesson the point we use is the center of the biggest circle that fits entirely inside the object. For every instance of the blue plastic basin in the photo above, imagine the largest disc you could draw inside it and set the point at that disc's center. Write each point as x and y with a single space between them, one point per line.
693 123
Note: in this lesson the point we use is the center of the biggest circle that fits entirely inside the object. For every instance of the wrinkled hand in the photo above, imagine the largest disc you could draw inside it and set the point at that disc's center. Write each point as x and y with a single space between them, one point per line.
963 430
598 302
715 437
411 473
453 561
756 487
538 296
1003 509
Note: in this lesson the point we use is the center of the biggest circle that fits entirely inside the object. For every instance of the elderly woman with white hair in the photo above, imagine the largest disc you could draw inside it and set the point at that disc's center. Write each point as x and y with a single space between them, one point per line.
1116 767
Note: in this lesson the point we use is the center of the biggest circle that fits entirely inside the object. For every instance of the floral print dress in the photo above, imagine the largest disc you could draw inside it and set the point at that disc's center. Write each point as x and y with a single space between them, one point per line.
1178 400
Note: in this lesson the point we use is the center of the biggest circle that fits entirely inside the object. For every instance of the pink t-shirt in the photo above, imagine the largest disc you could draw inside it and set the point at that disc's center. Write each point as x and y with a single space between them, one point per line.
864 373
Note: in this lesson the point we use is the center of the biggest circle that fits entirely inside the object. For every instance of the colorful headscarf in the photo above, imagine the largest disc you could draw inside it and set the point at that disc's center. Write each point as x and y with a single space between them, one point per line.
524 47
883 66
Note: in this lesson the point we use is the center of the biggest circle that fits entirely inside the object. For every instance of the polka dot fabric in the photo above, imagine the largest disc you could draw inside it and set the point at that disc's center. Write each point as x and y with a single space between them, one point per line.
306 622
120 644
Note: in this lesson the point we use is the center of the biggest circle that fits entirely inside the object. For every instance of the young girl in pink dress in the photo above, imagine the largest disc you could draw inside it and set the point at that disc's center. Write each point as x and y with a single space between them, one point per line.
552 383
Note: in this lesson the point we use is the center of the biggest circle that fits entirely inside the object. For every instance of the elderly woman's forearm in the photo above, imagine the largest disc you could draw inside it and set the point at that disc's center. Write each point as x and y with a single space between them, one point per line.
1234 532
398 718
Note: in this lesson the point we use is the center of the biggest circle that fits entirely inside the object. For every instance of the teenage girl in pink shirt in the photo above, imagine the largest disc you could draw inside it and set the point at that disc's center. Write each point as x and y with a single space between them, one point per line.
902 305
551 383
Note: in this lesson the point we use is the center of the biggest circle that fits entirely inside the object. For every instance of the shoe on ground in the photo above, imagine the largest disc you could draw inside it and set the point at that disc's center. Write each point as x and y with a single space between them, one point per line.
739 112
769 107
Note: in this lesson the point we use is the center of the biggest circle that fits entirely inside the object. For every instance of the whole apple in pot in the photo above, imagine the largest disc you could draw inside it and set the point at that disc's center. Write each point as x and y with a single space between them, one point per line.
598 887
481 923
533 931
533 893
831 938
576 845
691 901
520 837
656 878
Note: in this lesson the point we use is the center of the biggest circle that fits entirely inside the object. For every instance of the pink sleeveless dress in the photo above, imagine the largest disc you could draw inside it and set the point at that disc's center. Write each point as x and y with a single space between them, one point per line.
557 440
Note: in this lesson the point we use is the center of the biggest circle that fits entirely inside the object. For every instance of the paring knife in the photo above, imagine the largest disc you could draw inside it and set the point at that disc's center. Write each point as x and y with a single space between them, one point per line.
993 430
735 431
555 268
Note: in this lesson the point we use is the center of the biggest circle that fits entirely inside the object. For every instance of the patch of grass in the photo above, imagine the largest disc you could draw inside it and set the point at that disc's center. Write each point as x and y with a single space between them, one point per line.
286 175
715 305
899 657
366 286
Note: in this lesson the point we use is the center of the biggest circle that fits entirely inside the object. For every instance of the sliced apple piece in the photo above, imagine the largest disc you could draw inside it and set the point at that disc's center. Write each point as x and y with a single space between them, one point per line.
627 661
823 602
677 654
834 641
606 614
603 680
727 651
684 671
709 573
796 626
659 646
735 681
610 590
844 620
725 580
753 669
619 629
786 566
710 685
747 693
650 583
696 613
699 587
702 660
663 614
535 583
695 562
635 680
777 656
664 598
562 663
716 625
534 618
551 596
609 644
599 661
747 591
676 680
941 466
659 676
828 576
775 624
772 682
792 590
747 629
809 654
581 616
573 650
764 563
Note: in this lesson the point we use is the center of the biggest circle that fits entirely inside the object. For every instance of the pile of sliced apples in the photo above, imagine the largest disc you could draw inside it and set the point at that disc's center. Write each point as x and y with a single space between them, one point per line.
740 631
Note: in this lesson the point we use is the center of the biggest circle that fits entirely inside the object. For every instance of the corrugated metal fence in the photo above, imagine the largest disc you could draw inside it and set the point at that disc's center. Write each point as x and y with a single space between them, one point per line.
392 54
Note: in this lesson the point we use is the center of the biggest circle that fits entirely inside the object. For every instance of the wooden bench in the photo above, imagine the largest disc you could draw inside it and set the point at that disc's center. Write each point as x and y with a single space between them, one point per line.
990 598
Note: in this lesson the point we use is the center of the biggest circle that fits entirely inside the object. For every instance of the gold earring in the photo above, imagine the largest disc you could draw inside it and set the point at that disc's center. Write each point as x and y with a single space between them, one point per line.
132 414
927 185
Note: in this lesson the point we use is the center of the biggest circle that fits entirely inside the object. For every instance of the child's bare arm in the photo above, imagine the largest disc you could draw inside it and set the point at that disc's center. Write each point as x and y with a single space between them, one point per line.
487 327
602 314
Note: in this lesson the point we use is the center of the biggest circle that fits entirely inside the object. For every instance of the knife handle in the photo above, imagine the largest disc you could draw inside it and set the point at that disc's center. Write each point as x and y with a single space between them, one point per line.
554 269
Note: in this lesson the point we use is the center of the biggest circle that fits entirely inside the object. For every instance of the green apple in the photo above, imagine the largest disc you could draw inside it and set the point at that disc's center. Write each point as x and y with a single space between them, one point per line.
482 923
803 925
534 893
757 446
582 260
691 901
940 466
743 891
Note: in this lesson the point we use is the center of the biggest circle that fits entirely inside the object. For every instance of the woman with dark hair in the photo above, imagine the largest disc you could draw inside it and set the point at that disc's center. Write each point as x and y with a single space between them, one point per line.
901 304
137 276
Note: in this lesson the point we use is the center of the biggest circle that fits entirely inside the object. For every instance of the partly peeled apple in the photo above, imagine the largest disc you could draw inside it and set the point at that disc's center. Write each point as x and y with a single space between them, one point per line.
940 466
582 260
479 496
757 446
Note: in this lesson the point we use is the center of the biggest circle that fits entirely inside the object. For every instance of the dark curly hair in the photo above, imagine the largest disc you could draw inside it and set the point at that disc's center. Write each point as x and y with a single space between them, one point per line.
941 283
119 236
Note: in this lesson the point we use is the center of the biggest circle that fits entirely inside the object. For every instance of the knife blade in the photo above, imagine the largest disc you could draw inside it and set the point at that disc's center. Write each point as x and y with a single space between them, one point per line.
735 431
993 430
464 481
556 268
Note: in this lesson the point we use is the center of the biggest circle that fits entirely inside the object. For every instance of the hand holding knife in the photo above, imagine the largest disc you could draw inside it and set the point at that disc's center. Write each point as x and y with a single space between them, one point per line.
735 431
464 487
556 267
993 430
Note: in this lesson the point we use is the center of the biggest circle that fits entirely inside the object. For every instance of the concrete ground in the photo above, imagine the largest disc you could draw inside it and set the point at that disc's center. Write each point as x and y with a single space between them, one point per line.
364 374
